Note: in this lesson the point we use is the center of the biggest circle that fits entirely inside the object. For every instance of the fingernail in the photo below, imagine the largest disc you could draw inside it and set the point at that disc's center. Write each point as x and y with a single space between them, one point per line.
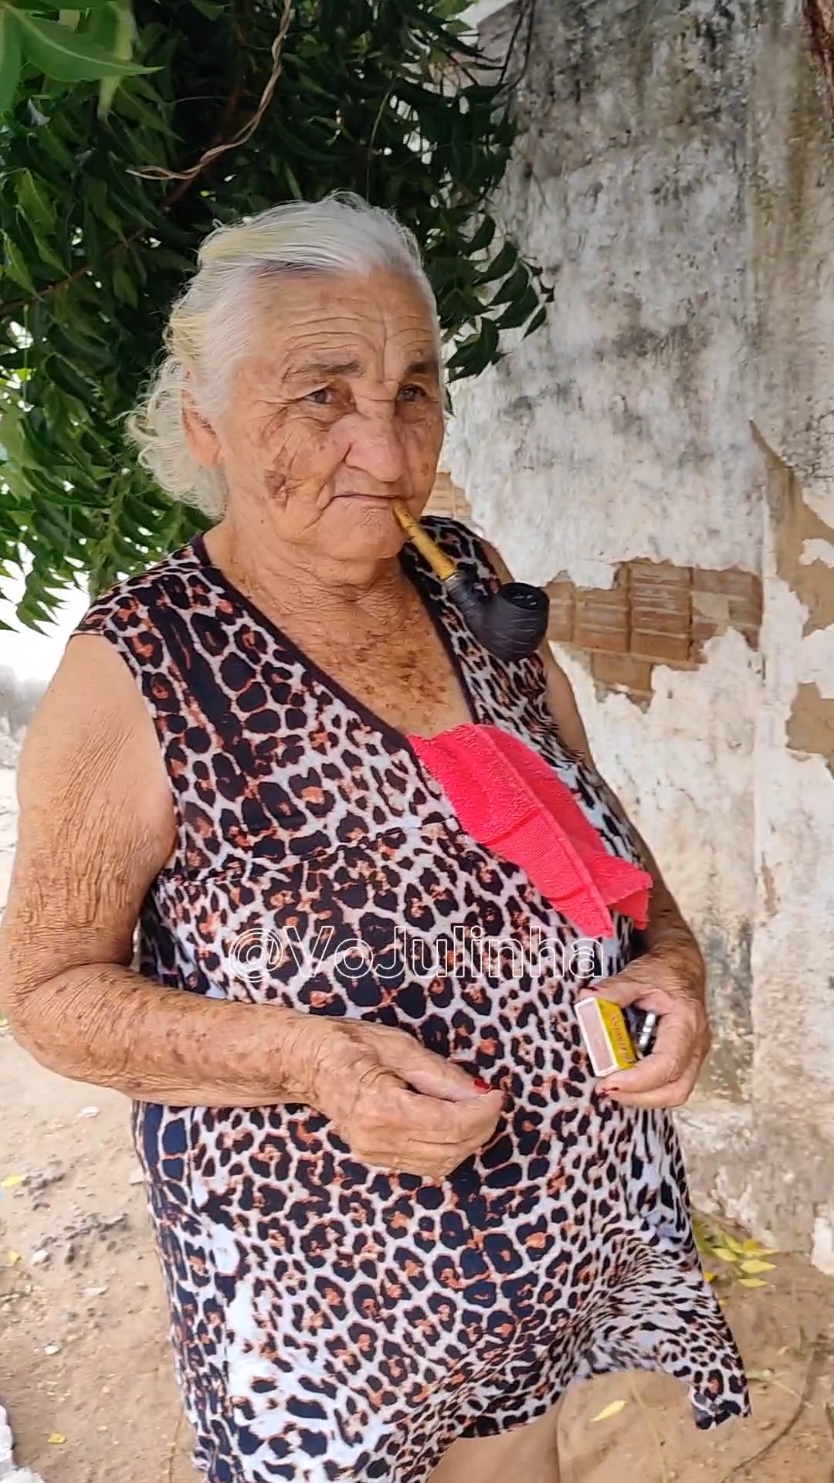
480 1085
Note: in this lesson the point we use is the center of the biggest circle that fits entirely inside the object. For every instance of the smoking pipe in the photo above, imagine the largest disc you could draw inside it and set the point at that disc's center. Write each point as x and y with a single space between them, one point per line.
510 623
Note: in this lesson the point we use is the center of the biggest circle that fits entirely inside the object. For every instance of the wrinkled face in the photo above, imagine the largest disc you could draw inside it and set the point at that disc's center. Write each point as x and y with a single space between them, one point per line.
335 411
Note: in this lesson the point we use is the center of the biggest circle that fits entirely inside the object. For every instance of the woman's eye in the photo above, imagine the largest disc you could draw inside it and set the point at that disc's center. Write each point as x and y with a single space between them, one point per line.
323 396
411 393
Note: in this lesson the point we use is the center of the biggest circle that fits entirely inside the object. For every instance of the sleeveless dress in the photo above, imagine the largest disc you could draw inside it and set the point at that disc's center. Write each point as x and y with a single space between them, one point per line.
331 1320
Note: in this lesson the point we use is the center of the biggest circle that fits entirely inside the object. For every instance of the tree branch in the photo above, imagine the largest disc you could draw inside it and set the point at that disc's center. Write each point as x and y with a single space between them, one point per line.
243 135
166 205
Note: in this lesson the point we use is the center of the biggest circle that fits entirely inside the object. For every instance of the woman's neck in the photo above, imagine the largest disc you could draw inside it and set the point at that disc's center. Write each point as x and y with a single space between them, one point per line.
284 580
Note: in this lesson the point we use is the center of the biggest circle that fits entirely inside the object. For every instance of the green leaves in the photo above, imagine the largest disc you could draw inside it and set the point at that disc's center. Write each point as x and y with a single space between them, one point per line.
83 45
65 55
113 28
11 57
94 251
15 264
34 201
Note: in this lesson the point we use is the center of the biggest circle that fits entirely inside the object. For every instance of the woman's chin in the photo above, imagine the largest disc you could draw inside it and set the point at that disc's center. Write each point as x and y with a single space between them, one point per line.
365 529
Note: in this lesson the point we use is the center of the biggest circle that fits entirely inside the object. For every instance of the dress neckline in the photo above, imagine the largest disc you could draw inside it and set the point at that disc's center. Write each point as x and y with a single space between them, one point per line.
410 564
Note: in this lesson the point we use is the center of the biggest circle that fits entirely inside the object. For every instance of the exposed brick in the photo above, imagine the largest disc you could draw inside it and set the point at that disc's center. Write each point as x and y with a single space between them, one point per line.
746 609
658 590
660 577
448 499
704 628
656 613
622 672
560 626
715 608
662 648
661 610
602 620
746 615
733 582
750 633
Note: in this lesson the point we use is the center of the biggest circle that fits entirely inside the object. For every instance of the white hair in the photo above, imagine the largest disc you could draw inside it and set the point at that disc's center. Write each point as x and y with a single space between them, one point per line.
209 324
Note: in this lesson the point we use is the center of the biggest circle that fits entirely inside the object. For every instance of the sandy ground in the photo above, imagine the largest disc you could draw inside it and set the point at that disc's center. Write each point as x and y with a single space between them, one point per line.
85 1372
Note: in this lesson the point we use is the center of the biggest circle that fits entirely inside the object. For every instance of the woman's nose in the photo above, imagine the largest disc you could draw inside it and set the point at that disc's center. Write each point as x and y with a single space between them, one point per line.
376 447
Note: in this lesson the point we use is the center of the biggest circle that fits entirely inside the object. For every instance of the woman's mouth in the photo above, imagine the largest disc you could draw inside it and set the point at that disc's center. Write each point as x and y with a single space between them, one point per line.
370 503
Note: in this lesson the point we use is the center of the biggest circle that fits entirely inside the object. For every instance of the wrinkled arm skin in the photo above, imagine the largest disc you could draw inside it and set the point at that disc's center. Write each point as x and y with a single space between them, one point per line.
96 825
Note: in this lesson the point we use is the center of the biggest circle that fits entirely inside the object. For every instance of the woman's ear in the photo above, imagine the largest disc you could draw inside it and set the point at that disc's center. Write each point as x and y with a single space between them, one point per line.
200 435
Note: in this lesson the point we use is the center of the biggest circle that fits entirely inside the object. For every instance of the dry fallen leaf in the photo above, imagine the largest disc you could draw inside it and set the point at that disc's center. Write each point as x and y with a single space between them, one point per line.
754 1266
56 1439
11 1181
14 1257
751 1282
613 1410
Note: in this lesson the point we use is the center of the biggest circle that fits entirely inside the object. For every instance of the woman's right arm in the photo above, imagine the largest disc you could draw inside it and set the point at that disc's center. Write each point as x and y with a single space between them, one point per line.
96 826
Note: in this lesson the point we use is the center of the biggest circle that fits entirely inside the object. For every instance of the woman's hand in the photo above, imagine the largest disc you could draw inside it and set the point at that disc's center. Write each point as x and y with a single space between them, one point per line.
672 984
394 1103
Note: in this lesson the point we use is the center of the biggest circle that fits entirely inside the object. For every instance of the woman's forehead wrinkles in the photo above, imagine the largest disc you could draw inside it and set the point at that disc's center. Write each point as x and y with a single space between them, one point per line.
358 334
369 322
343 350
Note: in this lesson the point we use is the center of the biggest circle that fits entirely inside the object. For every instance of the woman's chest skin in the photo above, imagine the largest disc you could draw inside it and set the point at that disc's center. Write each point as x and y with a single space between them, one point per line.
407 679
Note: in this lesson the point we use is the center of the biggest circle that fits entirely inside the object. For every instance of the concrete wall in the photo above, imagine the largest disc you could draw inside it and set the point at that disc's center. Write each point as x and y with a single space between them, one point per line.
675 177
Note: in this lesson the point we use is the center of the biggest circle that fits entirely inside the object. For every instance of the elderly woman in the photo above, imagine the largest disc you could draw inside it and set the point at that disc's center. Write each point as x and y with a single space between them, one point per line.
397 1213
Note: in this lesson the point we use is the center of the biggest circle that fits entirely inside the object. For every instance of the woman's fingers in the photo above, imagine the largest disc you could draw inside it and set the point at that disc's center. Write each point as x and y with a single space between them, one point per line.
398 1105
674 1051
389 1106
669 1094
667 1076
422 1159
392 1117
628 988
456 1123
430 1074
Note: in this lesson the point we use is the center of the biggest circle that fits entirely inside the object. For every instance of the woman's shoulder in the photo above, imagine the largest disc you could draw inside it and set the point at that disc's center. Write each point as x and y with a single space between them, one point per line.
134 599
459 540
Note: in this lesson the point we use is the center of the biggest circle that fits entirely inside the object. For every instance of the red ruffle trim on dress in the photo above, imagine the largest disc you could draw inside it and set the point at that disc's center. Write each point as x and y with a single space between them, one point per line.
509 799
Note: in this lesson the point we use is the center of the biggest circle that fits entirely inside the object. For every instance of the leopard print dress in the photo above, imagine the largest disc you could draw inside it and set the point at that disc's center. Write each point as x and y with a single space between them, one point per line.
331 1320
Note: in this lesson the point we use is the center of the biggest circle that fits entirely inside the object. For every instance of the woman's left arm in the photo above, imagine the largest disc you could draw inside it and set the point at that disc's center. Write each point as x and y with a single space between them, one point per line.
669 978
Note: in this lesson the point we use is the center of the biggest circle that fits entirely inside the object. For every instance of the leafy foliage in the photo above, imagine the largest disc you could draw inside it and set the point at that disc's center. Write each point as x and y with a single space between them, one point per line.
730 1260
101 50
107 187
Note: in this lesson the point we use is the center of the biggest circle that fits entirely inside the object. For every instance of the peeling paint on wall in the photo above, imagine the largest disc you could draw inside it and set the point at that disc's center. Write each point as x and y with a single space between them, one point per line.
811 724
804 552
804 541
654 613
